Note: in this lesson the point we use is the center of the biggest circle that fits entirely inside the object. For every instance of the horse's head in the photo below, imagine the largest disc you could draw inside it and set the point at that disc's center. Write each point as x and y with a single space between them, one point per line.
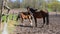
28 8
33 10
36 9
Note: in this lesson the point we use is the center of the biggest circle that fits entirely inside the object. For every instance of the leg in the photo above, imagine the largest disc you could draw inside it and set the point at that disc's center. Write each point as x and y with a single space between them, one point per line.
47 23
47 18
21 20
43 21
17 18
30 20
35 22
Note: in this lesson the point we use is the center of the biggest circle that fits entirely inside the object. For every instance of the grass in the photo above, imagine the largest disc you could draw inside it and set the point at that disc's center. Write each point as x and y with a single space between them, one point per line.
11 26
10 17
2 24
50 10
11 23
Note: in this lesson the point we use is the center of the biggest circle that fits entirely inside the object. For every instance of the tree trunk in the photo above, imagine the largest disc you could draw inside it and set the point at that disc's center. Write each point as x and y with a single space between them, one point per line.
1 10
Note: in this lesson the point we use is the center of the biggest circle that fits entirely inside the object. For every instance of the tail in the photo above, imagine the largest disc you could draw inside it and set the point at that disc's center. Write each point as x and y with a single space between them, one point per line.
17 17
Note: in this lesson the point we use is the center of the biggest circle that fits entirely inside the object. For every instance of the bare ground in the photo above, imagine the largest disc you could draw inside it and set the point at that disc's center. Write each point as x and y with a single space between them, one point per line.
54 26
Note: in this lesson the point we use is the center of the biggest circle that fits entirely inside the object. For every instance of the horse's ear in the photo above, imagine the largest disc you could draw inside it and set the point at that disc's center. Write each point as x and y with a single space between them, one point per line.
36 9
28 7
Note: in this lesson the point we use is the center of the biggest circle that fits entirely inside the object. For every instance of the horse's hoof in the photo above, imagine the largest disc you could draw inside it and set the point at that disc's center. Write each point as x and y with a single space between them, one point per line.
23 24
42 26
31 24
35 26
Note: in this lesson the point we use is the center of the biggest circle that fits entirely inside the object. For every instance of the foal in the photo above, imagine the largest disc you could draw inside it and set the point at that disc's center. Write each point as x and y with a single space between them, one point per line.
24 15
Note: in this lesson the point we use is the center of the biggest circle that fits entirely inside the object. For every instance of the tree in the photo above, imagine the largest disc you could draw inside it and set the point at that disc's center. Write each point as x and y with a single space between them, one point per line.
54 6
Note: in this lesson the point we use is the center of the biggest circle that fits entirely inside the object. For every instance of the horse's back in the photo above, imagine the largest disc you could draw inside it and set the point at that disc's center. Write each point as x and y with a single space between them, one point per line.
44 11
40 14
26 13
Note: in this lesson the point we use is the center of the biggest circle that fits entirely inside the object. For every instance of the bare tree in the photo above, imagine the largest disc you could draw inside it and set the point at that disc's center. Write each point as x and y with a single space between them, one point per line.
1 10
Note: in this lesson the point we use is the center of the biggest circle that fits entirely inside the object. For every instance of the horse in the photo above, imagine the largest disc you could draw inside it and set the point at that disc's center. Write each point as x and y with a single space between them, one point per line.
40 14
24 15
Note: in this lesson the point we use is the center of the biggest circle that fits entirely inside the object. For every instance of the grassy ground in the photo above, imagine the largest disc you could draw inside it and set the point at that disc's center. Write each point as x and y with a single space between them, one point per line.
11 23
2 25
11 26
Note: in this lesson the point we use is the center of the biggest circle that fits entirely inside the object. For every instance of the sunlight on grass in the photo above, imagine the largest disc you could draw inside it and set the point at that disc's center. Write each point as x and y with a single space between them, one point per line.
2 25
11 23
11 26
5 29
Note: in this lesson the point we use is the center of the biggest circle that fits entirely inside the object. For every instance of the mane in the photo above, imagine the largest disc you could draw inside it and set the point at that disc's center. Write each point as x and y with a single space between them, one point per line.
33 10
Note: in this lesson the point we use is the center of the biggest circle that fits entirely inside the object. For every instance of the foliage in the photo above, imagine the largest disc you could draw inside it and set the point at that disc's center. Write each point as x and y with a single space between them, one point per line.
50 4
54 6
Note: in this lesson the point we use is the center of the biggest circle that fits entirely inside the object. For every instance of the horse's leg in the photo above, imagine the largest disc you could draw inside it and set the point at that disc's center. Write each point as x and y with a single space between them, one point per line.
47 18
30 20
17 18
35 22
43 21
22 21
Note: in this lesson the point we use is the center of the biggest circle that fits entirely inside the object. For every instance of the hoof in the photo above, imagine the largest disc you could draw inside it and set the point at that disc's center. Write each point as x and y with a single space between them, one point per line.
35 26
23 24
42 26
31 24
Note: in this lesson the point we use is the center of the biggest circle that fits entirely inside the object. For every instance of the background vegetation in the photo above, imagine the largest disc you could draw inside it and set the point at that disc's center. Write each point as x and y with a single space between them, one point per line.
53 5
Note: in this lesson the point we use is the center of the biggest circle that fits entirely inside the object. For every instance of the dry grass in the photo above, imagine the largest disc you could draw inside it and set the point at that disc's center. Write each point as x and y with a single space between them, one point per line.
11 26
2 25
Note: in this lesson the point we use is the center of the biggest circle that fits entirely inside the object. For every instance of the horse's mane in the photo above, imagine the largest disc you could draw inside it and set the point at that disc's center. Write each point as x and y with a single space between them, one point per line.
33 10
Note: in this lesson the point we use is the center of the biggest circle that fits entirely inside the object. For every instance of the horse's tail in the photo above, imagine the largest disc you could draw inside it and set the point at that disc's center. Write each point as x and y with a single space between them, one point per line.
47 17
18 17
